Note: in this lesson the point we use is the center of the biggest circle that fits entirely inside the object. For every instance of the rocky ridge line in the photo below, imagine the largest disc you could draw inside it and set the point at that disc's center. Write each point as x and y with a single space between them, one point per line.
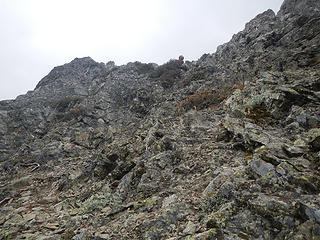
226 147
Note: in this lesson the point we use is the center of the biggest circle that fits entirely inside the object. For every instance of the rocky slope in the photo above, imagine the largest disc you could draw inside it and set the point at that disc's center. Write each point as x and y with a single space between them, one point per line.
226 147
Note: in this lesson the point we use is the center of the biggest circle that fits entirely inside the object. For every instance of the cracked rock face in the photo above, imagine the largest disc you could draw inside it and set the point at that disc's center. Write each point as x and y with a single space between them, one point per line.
226 147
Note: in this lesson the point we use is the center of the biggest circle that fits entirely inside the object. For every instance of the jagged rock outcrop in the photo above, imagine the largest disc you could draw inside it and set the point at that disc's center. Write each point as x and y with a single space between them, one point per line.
226 147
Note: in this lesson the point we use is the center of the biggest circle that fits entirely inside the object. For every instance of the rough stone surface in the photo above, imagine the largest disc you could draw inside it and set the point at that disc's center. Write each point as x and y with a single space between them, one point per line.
226 147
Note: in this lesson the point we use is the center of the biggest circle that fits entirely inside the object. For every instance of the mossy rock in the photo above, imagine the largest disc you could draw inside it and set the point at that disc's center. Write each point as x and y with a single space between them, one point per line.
146 204
314 139
95 202
211 223
68 235
198 76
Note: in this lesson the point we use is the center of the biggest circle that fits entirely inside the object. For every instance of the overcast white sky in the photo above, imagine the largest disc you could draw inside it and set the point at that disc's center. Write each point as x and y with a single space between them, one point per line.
37 35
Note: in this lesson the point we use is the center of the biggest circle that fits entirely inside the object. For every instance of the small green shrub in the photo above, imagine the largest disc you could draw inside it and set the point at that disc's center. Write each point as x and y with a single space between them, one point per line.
144 68
167 73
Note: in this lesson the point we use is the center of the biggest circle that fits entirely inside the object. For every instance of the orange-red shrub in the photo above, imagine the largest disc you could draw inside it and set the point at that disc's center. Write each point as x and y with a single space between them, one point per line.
208 98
